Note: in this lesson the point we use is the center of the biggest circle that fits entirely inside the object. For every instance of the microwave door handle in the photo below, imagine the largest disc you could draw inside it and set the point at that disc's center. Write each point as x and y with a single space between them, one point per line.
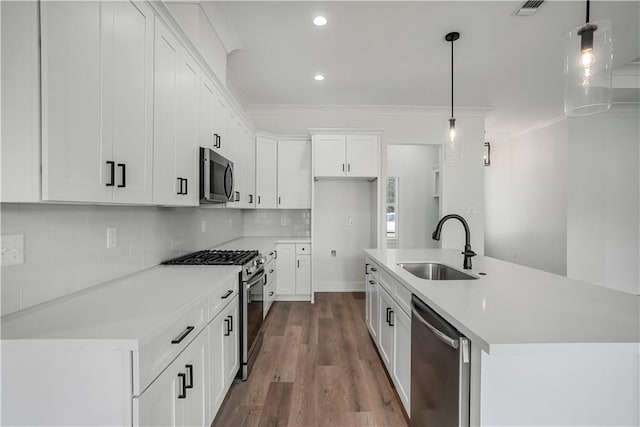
228 191
224 183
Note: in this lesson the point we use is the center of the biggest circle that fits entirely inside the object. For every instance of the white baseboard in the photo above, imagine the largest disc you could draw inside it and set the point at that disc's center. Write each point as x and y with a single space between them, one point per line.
339 287
293 297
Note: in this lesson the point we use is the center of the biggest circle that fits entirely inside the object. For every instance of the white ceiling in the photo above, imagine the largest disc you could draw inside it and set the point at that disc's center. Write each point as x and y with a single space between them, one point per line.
394 53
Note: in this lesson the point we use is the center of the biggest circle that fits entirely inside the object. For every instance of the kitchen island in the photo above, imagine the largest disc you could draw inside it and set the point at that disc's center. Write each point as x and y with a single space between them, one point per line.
545 350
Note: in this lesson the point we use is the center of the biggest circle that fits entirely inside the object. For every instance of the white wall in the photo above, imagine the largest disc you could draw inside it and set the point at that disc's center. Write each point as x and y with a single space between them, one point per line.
334 203
268 222
603 218
565 198
65 245
417 214
463 181
526 198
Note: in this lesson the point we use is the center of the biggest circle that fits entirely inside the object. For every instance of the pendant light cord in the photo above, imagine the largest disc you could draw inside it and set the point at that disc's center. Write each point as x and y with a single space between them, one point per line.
452 79
588 7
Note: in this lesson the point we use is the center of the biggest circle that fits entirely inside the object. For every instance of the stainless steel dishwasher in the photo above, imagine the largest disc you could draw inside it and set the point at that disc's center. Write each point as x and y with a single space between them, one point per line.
440 366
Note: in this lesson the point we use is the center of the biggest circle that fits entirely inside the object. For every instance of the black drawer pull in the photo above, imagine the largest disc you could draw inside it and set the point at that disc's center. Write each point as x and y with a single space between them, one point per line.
190 372
183 335
374 269
227 295
227 330
271 293
391 313
124 175
230 323
271 271
183 380
388 311
372 282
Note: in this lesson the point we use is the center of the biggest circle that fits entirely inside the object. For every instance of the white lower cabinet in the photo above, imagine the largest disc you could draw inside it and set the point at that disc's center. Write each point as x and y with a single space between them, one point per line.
271 271
178 396
224 354
294 271
390 327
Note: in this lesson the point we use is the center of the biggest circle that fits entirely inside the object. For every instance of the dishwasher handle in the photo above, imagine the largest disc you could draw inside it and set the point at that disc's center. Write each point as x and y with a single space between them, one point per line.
451 342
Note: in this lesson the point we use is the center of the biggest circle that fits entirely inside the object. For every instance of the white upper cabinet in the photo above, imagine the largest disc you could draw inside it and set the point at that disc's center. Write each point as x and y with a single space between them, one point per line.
329 153
266 173
346 156
176 93
97 95
244 159
250 145
294 174
213 118
234 152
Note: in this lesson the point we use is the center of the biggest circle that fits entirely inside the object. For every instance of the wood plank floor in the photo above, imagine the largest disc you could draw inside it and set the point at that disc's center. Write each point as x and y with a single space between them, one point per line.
317 367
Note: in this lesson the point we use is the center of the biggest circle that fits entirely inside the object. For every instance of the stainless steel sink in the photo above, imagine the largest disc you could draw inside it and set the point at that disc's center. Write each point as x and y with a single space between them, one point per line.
435 271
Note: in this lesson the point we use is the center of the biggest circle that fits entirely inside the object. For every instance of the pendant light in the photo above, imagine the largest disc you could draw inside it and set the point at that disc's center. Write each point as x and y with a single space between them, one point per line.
453 146
588 59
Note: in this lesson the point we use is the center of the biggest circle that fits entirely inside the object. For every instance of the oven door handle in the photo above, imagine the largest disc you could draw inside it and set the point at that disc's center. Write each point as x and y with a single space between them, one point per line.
256 279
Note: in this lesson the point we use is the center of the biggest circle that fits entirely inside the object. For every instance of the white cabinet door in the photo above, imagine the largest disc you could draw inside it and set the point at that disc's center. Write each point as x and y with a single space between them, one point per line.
285 265
233 152
187 154
266 173
329 153
294 174
74 153
385 339
159 405
97 96
250 146
231 341
402 356
303 274
374 310
176 86
20 109
213 117
194 364
129 98
216 331
363 156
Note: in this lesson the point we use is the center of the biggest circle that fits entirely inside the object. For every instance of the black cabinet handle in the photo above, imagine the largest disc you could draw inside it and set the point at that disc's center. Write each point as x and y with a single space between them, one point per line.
348 167
271 271
219 141
271 293
216 140
227 331
374 269
112 172
237 198
227 295
183 335
259 200
388 311
372 282
186 186
190 372
179 186
391 317
343 167
250 198
123 183
298 263
230 323
279 200
183 380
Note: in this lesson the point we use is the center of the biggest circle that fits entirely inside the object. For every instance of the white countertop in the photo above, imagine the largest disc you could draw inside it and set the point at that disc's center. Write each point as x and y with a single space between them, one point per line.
123 314
262 244
517 305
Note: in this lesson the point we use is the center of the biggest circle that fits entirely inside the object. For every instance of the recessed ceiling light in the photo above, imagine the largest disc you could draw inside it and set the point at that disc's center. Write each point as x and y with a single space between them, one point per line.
318 77
320 21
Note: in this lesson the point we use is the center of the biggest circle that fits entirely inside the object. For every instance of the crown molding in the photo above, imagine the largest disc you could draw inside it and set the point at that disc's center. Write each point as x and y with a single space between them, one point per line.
381 110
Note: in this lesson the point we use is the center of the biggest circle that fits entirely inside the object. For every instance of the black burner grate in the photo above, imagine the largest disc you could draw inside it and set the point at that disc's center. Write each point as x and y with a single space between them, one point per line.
214 257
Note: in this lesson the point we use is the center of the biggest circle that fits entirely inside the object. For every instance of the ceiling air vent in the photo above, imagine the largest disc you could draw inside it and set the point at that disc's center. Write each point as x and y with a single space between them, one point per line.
529 7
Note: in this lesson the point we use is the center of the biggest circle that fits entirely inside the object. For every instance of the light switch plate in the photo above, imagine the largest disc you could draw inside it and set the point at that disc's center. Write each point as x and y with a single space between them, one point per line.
111 237
12 249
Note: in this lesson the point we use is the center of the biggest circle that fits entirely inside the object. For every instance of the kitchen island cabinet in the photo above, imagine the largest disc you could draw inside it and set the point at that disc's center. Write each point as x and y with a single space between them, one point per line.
134 352
545 350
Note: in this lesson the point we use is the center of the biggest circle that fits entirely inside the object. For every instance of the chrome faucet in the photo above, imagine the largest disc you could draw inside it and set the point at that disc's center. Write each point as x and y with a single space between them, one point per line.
468 253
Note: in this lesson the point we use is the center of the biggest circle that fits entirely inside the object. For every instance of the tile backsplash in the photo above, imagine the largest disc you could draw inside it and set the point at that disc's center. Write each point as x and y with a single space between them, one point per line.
65 245
277 222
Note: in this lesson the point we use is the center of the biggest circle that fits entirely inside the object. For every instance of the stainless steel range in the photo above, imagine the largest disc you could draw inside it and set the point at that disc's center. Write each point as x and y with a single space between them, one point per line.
252 280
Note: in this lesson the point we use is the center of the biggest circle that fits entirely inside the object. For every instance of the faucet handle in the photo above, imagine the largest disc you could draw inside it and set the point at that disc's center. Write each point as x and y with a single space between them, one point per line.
468 252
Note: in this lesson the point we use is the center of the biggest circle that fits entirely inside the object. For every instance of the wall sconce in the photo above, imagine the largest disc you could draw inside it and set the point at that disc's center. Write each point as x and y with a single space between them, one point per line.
487 154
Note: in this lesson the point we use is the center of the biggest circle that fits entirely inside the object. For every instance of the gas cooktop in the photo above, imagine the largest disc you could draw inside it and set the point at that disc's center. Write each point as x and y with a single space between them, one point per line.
214 257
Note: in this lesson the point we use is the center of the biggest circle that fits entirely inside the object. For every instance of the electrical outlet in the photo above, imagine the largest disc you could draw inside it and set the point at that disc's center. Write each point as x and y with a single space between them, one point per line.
283 221
333 252
12 249
111 238
352 221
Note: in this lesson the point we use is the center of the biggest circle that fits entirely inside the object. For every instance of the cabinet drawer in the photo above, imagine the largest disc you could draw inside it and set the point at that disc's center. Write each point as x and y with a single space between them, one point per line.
402 297
374 270
222 296
303 248
158 353
385 280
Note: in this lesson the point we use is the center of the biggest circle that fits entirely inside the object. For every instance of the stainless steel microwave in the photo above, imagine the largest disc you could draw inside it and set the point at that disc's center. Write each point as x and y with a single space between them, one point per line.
216 177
